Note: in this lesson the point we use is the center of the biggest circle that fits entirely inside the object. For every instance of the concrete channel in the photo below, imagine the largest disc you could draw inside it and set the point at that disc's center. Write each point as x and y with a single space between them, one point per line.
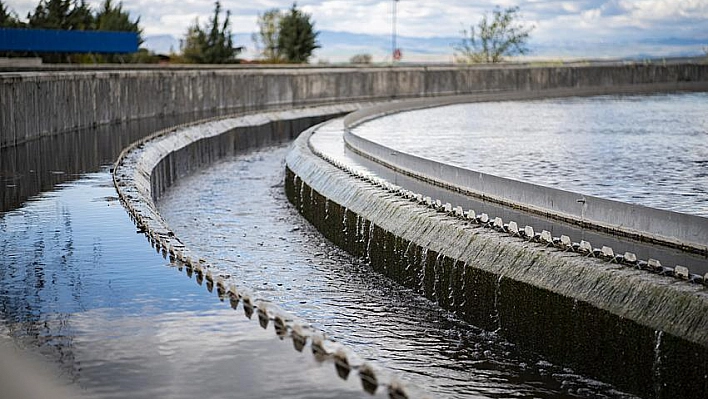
622 325
146 168
643 332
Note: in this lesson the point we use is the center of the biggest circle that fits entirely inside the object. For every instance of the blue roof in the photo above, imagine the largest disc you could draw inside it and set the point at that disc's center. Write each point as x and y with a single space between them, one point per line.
67 41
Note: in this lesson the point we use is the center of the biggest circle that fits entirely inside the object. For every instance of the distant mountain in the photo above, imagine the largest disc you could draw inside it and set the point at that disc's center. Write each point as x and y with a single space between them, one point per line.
161 44
340 46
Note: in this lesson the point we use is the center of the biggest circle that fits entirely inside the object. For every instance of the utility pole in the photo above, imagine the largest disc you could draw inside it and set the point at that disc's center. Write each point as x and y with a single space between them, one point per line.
395 54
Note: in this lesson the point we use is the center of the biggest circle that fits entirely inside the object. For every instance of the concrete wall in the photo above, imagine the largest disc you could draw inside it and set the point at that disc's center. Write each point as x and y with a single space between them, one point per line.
638 331
658 331
34 104
678 230
146 168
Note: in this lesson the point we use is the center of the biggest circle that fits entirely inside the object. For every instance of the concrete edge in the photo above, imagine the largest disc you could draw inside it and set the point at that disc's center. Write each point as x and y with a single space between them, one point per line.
673 229
580 267
632 300
133 179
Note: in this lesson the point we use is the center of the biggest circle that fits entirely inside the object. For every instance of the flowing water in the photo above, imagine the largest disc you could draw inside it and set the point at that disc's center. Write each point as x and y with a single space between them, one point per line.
648 150
83 291
235 214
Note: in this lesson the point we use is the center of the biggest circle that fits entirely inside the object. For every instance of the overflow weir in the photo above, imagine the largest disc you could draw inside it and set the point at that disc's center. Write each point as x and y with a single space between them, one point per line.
645 333
598 312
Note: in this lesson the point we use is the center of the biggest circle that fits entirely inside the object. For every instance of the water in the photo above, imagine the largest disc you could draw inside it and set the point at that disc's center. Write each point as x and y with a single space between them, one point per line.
80 287
91 302
648 150
40 165
328 140
235 214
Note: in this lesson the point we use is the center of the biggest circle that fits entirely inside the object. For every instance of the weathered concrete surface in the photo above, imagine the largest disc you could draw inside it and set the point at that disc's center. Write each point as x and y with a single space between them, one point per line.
645 334
148 167
37 104
33 104
674 229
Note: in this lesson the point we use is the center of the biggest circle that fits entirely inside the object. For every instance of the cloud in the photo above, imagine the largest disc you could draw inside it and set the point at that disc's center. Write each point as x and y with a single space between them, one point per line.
584 23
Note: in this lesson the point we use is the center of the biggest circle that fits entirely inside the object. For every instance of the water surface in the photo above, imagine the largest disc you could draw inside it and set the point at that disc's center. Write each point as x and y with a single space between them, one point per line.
236 215
644 149
113 319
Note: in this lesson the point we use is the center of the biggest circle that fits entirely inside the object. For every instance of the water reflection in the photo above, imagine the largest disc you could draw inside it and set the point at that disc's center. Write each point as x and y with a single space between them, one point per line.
236 215
78 285
40 165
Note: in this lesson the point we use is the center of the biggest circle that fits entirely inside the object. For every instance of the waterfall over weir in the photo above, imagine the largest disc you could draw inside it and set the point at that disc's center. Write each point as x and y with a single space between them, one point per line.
597 317
115 314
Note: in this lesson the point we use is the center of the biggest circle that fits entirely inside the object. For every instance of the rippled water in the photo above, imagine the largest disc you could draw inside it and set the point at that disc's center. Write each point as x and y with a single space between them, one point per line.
235 214
79 286
648 150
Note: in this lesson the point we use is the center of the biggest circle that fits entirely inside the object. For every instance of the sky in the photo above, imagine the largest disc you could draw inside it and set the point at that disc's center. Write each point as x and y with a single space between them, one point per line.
428 28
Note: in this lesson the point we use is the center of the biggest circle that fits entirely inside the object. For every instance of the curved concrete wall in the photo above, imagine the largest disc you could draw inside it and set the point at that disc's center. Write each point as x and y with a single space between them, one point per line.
34 104
643 333
146 168
40 104
679 230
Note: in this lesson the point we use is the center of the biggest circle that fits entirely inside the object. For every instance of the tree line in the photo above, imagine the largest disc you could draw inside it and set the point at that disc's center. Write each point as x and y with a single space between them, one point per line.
282 37
72 15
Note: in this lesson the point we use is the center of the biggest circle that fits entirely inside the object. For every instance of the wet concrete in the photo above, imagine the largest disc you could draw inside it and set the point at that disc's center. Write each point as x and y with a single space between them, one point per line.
640 149
148 167
621 324
262 242
44 309
40 165
665 228
47 103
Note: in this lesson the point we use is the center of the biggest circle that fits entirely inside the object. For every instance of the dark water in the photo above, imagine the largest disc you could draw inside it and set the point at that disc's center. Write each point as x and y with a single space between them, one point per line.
235 214
81 287
40 165
648 150
37 166
80 290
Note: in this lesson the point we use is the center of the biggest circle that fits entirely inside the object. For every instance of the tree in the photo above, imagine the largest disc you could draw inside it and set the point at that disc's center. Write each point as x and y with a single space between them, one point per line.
266 39
114 19
192 46
64 15
297 38
360 59
212 44
81 17
8 19
492 41
61 14
76 15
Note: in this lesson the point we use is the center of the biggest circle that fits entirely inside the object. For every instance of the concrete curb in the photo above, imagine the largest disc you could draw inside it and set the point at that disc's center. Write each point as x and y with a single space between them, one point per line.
577 310
146 168
677 230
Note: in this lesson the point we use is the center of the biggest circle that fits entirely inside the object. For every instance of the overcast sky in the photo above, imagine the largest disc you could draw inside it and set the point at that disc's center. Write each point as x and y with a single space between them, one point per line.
585 26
